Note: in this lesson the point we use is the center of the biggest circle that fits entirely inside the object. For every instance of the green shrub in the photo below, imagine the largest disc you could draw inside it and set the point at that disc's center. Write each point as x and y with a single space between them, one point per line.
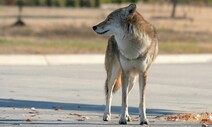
62 3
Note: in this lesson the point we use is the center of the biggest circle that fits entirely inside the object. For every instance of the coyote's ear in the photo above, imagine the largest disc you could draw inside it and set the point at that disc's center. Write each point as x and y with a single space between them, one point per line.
129 10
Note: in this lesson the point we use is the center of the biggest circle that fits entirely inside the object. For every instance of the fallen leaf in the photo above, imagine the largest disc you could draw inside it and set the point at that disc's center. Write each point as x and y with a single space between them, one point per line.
57 109
75 114
28 120
209 122
186 117
80 119
201 117
205 120
172 118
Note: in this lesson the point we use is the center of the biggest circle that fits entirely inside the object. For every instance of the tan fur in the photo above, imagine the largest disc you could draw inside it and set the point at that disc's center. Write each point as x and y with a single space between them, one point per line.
117 84
131 50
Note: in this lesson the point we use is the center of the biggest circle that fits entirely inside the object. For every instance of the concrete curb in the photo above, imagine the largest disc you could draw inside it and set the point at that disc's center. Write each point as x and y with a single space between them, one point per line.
94 59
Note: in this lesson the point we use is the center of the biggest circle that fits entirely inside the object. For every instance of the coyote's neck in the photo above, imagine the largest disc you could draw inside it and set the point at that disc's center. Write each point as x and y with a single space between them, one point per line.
135 38
132 47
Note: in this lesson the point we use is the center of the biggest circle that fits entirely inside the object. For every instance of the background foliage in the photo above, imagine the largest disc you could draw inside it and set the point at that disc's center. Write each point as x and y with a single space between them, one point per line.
92 3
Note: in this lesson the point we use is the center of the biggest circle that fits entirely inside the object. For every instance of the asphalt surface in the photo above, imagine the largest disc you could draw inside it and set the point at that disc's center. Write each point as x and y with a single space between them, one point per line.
73 95
86 59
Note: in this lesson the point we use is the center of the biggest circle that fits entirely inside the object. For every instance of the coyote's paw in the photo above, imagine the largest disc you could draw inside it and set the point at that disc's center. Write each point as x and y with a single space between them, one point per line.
106 117
144 122
123 119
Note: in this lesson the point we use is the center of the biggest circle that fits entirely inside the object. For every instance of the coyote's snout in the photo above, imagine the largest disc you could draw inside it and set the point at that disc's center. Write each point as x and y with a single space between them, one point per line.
131 49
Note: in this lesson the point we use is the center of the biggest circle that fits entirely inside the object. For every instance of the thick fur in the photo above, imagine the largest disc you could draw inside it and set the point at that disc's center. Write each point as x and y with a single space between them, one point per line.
131 50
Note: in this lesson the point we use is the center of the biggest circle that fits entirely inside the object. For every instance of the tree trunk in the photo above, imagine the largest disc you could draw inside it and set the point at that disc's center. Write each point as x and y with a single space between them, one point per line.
49 3
174 3
19 21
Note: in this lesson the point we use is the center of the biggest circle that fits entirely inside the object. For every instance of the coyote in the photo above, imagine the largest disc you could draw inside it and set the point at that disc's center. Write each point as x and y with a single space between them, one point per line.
131 49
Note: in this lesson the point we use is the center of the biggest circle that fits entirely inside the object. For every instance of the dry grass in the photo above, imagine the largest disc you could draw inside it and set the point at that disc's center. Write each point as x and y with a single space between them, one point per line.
36 46
54 30
198 19
54 40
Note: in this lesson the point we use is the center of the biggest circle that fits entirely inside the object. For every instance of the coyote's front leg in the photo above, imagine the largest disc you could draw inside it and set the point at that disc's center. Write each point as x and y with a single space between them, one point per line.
142 105
113 76
124 111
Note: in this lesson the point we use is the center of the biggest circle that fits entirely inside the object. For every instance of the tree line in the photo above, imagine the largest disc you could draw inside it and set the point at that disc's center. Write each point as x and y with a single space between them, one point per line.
63 3
92 3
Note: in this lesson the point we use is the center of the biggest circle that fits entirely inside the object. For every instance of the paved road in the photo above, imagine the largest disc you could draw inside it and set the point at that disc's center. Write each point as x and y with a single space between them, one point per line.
73 95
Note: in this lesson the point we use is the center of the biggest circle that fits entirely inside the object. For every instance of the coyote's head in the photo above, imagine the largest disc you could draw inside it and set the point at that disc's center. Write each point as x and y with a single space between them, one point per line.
115 23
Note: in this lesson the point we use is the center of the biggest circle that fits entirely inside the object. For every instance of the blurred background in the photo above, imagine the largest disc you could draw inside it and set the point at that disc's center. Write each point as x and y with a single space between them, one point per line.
64 26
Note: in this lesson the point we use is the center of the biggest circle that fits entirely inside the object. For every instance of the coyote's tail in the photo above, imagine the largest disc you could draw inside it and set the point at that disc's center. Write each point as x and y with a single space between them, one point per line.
117 84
